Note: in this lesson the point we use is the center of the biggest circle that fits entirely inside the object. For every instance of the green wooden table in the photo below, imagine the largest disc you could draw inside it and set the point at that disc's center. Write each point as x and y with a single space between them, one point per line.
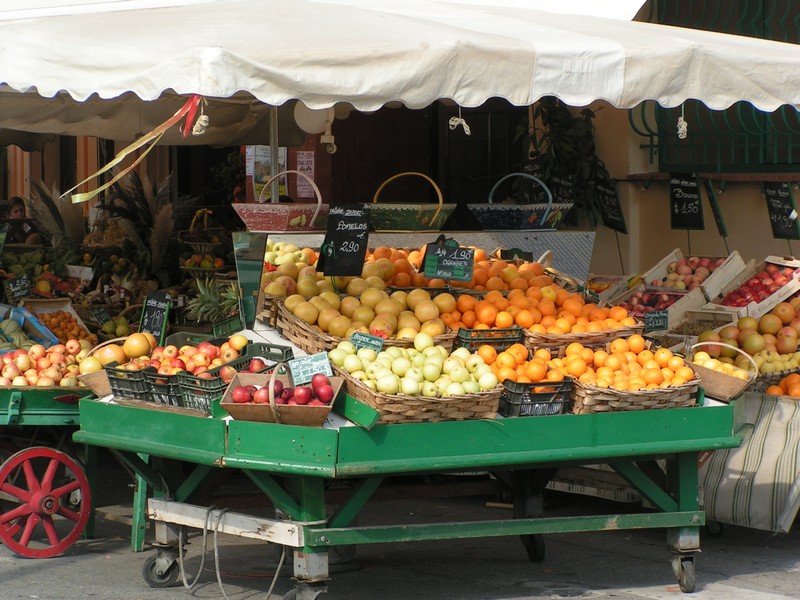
291 465
45 497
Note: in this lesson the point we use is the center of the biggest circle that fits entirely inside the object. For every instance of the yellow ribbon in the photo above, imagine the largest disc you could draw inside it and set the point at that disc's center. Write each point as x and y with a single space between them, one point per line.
189 108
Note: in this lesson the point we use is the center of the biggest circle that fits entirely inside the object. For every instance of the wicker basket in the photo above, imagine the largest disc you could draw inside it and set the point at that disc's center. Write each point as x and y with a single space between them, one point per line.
398 408
284 217
409 218
722 386
589 339
765 380
520 217
302 335
592 399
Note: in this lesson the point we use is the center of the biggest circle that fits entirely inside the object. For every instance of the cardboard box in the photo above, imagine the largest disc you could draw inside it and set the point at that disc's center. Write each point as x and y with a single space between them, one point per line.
43 306
757 309
31 326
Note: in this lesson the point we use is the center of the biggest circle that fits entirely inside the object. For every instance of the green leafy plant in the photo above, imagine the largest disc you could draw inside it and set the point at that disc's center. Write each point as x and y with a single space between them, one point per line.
213 300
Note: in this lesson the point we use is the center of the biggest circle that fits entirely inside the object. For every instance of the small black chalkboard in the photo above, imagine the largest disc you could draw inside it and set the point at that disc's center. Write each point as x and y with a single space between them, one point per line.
17 288
154 315
534 194
712 200
656 320
685 206
447 260
99 315
515 254
563 190
610 206
345 246
780 206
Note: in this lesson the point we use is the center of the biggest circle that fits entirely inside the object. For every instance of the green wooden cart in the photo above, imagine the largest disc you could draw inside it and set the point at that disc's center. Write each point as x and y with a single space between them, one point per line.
291 465
45 497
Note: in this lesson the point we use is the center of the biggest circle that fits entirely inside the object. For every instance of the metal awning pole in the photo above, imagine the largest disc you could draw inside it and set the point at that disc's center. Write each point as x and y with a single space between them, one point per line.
273 153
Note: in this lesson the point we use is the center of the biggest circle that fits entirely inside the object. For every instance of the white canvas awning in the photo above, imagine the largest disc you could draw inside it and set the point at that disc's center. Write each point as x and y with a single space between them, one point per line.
369 53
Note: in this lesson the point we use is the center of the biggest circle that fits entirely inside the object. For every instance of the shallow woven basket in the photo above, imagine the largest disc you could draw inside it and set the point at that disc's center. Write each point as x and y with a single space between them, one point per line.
592 399
722 386
409 218
763 381
589 339
312 341
398 408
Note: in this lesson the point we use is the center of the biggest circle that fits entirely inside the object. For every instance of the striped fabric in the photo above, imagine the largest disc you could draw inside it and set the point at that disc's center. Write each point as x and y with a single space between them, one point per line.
757 484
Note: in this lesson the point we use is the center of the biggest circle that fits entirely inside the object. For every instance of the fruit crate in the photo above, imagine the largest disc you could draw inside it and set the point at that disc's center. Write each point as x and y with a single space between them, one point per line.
228 326
499 339
162 389
199 393
725 270
127 384
542 398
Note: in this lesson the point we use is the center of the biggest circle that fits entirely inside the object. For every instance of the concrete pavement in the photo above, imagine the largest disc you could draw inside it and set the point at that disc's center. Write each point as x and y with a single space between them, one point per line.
740 564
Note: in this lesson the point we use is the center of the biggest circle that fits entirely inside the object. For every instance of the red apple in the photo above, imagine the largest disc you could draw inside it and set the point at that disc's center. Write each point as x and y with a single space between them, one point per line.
325 393
209 349
177 363
227 373
241 394
277 387
256 365
261 395
11 370
229 354
317 402
72 346
170 351
318 380
205 375
42 363
302 395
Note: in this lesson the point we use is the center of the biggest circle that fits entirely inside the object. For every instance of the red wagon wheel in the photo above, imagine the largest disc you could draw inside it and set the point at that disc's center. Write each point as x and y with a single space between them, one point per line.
46 502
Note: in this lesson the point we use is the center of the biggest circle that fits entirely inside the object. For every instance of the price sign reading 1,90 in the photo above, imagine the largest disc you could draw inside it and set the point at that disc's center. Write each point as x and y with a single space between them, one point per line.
685 208
448 260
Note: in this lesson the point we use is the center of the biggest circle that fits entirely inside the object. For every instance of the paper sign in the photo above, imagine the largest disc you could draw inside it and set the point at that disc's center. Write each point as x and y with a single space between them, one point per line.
305 367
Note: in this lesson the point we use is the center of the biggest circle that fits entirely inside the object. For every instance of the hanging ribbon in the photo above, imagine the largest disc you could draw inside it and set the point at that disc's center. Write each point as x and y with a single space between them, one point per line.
188 110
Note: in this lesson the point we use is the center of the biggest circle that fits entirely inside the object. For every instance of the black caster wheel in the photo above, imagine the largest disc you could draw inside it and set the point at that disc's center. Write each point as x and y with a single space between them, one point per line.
534 546
155 577
715 529
683 567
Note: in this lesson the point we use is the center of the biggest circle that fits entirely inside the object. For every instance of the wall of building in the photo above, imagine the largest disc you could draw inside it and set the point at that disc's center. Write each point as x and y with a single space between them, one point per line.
646 208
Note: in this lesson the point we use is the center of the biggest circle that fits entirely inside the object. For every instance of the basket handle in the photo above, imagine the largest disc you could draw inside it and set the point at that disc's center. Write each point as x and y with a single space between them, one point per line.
546 259
308 179
106 343
729 346
428 179
270 387
537 180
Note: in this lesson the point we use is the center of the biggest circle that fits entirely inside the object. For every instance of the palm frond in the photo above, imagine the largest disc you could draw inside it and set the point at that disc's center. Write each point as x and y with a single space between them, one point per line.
44 211
160 236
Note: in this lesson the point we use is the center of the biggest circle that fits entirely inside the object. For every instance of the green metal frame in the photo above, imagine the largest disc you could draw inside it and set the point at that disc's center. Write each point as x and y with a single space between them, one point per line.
291 464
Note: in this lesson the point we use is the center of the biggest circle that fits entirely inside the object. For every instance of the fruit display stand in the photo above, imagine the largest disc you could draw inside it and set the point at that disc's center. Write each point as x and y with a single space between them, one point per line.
45 494
307 457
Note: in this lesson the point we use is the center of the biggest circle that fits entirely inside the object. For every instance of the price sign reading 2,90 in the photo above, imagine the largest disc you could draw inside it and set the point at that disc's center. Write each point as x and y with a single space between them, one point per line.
346 239
350 246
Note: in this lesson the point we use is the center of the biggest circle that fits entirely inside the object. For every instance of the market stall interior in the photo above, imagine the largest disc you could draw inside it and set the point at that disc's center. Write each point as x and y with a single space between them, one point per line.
332 342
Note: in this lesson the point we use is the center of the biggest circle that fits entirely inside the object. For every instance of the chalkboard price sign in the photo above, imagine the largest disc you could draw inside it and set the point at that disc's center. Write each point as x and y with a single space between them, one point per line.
345 246
305 367
17 288
712 200
99 315
515 254
610 206
782 215
447 260
656 320
154 315
685 206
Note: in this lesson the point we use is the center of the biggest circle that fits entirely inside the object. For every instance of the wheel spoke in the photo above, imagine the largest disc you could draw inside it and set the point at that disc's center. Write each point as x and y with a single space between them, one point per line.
49 474
18 493
66 488
68 514
27 532
23 510
50 530
30 476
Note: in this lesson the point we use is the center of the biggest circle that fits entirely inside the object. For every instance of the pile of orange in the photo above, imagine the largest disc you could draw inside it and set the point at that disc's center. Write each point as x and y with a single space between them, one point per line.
548 310
65 326
788 386
627 365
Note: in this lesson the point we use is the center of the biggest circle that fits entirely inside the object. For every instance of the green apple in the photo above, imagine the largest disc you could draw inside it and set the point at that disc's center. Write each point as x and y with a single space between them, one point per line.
415 373
488 381
352 363
347 346
471 386
409 387
400 366
459 374
431 371
429 389
454 389
462 353
366 354
388 384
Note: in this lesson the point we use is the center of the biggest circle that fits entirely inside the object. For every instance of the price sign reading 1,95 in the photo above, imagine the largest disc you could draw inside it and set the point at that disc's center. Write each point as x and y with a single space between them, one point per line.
782 215
685 207
345 246
449 261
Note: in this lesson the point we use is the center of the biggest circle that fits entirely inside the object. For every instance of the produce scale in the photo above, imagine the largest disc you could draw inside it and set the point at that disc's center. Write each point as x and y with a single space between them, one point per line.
291 465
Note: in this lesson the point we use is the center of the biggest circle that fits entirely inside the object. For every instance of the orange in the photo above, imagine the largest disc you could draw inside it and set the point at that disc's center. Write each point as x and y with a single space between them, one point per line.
503 320
495 283
662 356
573 348
675 363
402 279
518 283
617 313
600 357
644 356
542 354
506 359
437 283
619 345
789 380
653 376
613 362
465 302
480 276
487 353
576 367
775 390
401 265
486 314
418 280
554 375
546 307
524 318
587 354
636 343
381 252
501 303
684 373
504 373
480 254
536 370
469 319
493 296
573 306
519 351
793 390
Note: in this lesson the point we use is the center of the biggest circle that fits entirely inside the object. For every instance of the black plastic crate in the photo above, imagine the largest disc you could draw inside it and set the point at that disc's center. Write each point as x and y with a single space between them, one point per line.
162 389
499 339
126 384
542 398
199 392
